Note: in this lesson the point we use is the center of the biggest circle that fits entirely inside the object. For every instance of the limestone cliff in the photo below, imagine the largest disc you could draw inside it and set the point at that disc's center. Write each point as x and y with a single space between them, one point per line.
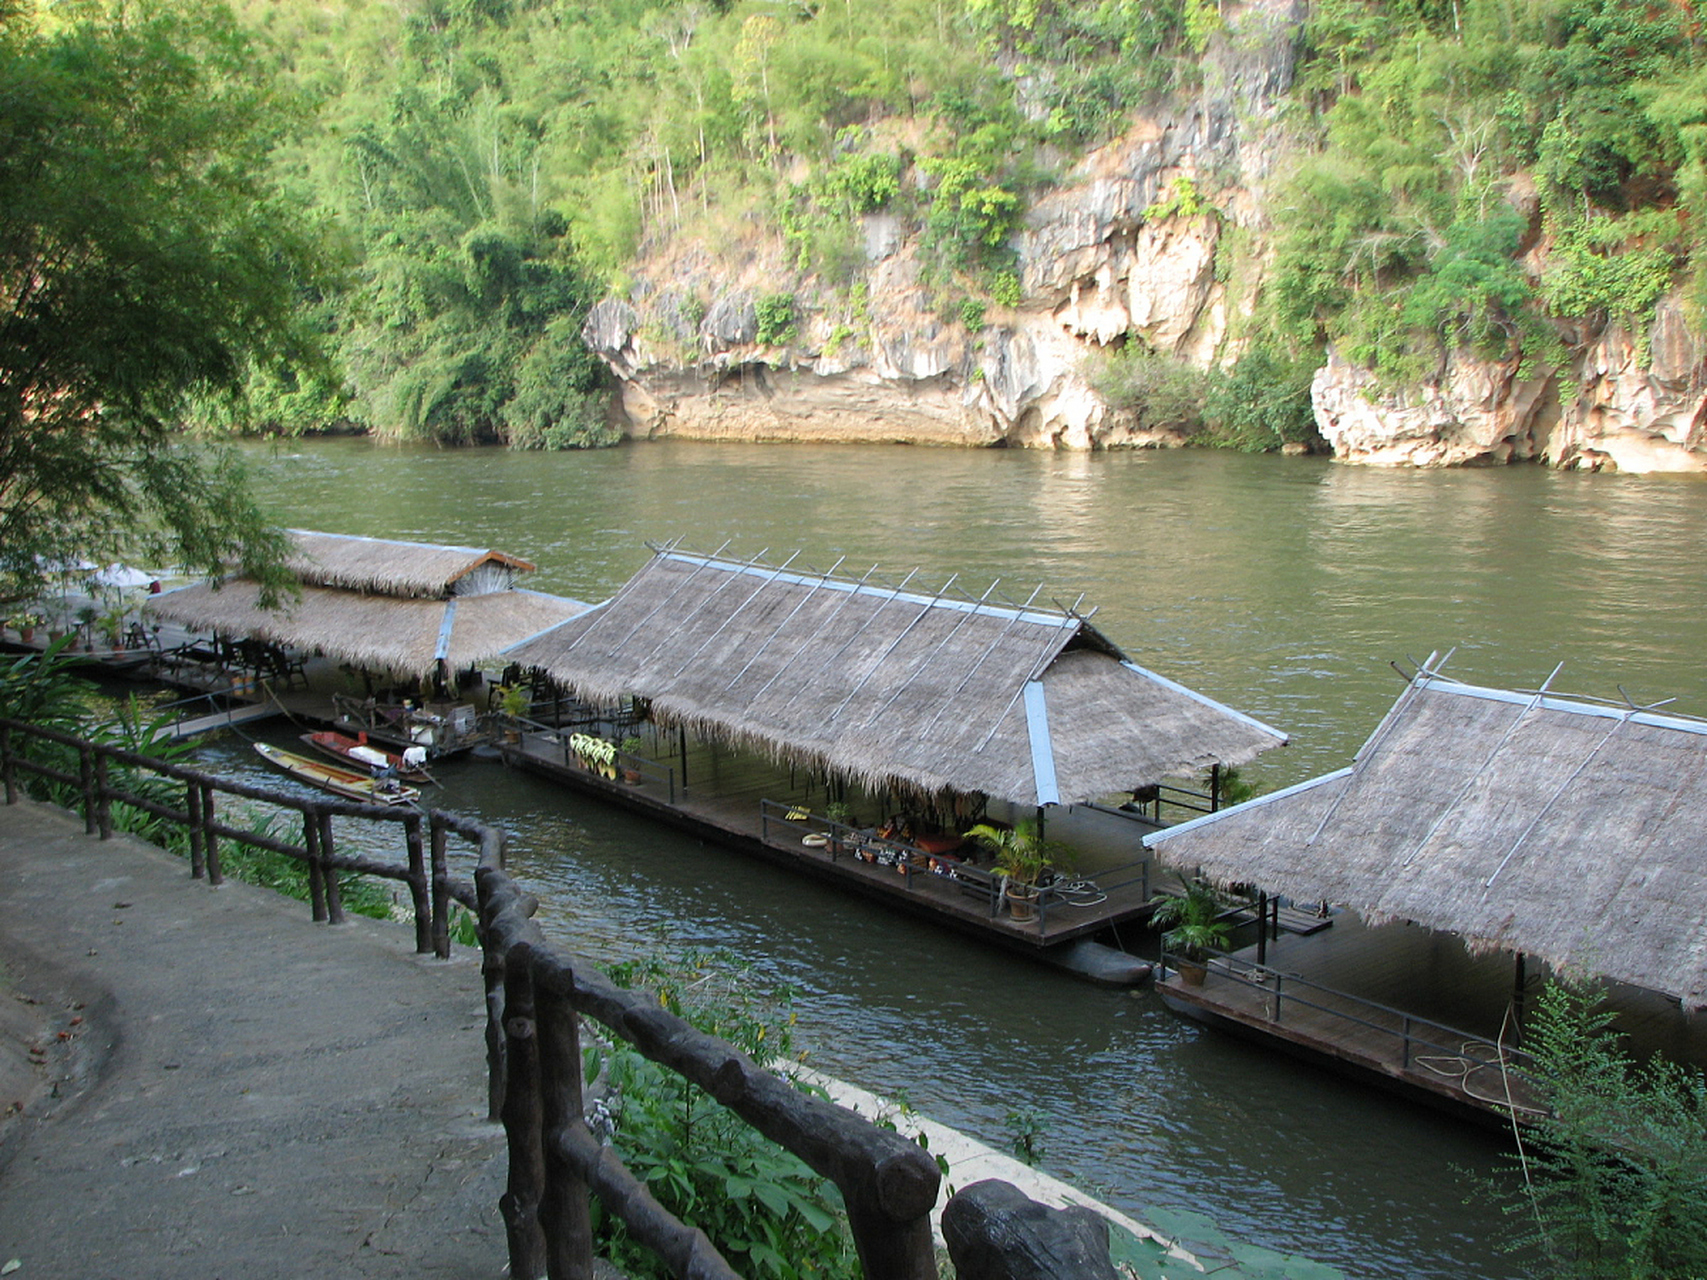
1095 264
1104 256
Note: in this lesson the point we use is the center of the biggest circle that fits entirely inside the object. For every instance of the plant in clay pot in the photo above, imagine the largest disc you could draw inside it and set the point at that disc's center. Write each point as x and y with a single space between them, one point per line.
841 813
1021 856
1192 928
630 746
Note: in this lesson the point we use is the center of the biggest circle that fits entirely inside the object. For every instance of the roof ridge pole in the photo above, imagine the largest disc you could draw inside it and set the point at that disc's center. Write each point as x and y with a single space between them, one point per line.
605 613
1413 685
823 578
965 617
719 589
724 625
1019 612
1037 667
884 656
1559 791
836 613
1469 782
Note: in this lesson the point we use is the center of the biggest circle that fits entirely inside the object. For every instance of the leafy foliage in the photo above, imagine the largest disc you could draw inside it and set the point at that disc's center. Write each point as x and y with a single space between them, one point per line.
768 1213
143 256
1614 1180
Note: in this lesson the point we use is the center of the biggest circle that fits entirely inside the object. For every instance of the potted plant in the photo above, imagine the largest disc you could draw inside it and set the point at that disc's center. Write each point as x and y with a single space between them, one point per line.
1192 928
1022 855
25 625
841 814
514 702
86 625
630 746
112 626
596 754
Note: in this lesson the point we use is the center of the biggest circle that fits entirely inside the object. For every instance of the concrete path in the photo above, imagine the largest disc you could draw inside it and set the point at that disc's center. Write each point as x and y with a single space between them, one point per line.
202 1082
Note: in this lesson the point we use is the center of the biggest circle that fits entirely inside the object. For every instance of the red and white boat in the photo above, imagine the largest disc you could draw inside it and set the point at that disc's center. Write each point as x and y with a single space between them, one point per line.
358 752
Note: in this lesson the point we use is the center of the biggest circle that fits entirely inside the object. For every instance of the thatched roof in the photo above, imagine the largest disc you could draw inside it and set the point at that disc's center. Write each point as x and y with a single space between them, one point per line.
888 685
382 633
384 567
1567 830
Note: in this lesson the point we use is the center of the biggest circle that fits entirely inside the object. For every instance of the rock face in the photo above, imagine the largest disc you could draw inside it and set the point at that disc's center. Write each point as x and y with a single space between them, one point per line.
1623 404
1158 237
1102 257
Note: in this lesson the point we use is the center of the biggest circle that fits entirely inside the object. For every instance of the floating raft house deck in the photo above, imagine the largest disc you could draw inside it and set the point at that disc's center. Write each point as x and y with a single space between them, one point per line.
899 690
1563 830
408 608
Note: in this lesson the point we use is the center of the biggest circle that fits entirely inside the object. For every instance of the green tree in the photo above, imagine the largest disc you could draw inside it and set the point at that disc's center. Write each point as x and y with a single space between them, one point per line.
143 257
1614 1178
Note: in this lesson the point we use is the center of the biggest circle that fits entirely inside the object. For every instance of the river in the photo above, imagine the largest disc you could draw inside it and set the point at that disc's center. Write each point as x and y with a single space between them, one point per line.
1282 586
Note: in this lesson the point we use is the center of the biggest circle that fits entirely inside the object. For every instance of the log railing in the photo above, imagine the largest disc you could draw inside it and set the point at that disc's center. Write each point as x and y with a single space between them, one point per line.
424 870
535 998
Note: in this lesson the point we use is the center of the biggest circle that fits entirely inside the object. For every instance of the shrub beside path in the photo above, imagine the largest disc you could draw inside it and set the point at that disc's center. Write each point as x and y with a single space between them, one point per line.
203 1082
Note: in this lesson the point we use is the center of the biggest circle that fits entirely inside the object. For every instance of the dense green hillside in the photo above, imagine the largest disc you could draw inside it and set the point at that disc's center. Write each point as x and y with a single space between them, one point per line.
1504 175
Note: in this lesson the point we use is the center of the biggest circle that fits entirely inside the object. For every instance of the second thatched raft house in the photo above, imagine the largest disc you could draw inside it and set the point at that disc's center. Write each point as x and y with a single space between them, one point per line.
1562 829
411 609
890 685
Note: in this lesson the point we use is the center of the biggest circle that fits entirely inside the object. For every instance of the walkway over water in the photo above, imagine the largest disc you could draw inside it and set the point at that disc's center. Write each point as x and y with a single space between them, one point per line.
240 1092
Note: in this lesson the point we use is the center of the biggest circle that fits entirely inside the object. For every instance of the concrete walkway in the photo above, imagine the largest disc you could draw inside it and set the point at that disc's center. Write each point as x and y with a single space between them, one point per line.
202 1082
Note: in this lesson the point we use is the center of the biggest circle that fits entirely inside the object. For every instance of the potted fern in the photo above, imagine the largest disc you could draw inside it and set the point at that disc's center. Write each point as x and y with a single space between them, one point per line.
1192 928
630 746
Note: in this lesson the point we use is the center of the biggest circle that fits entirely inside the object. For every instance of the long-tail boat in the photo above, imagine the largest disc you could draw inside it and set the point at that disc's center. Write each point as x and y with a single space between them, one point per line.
337 779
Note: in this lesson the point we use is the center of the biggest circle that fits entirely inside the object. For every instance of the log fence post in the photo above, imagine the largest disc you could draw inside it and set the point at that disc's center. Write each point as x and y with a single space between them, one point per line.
328 849
193 816
215 874
8 771
103 796
316 867
419 887
565 1215
519 1204
209 816
86 777
441 887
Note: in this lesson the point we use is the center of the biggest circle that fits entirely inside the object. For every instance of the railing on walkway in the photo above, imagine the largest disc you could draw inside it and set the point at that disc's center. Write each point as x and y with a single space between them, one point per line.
424 870
535 997
1407 1036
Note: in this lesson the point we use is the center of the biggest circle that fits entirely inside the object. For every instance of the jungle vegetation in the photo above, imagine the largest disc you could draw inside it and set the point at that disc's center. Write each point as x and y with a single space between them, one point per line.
480 171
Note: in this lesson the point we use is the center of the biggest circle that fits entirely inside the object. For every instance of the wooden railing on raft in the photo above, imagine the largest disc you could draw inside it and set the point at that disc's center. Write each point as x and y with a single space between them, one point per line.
535 998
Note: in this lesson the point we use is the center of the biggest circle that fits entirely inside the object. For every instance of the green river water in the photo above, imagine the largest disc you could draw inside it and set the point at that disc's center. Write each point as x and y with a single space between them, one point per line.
1283 587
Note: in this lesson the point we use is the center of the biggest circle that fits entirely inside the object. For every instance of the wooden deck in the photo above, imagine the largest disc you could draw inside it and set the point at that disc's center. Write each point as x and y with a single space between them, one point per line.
726 803
1405 1008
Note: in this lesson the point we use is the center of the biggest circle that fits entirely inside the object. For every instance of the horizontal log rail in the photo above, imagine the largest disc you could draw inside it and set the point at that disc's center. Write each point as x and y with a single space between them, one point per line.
535 998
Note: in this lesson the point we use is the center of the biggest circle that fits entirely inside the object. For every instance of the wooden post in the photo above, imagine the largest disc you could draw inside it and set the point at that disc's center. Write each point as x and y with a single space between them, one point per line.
193 811
564 1214
316 867
1262 927
103 797
1517 1001
86 775
519 1204
419 889
215 875
8 773
334 895
441 889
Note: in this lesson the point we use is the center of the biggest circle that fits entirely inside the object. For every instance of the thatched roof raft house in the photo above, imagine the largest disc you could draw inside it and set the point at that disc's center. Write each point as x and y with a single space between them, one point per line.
1567 830
888 685
405 607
